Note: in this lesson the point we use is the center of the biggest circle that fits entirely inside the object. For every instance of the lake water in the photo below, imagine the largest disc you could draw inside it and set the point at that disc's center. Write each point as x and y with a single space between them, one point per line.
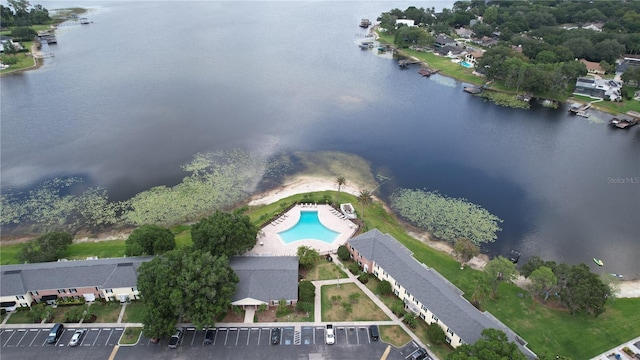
134 95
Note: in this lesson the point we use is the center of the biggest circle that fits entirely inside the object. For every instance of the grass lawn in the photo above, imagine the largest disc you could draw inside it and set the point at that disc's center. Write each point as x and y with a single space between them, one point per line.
130 336
182 235
362 310
9 254
325 271
101 249
441 351
394 335
133 312
106 312
20 317
24 61
296 316
388 299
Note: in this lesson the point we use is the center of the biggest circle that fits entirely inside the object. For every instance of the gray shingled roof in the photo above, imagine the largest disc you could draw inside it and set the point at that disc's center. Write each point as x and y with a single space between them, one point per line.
105 273
266 278
441 297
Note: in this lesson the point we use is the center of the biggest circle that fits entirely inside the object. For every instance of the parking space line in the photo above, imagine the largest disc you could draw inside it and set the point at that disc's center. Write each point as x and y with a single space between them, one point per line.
226 337
10 336
357 335
23 335
34 338
107 342
97 336
238 336
249 335
194 335
259 334
60 338
215 336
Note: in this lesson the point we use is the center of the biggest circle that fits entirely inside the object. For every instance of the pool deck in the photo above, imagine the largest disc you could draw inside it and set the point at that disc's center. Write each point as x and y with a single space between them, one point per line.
269 242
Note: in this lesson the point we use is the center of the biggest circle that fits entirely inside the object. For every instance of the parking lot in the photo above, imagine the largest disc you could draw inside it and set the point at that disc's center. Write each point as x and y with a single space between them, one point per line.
257 336
301 342
22 338
23 344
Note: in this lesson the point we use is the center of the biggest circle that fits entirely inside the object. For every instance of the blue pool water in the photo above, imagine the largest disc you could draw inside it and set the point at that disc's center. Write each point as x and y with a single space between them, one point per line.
308 227
466 64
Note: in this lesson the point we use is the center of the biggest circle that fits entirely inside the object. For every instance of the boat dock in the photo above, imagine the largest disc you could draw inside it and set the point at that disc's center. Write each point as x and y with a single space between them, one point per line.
406 62
472 89
622 123
579 109
366 45
426 72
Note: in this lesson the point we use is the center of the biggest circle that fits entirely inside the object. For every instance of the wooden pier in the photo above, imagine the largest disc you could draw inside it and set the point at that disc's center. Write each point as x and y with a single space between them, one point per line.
622 123
406 62
44 55
472 89
426 72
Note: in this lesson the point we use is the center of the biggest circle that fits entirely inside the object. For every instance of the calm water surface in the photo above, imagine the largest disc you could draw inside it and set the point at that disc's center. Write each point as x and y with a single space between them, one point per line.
134 95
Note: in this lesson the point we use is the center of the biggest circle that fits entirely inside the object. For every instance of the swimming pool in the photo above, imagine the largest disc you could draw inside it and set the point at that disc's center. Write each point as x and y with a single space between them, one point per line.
466 64
308 227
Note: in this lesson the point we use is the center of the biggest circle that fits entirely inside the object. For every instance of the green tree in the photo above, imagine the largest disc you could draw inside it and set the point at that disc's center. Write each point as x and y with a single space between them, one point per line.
306 291
413 36
304 306
436 334
149 240
500 269
224 233
184 282
494 344
542 281
465 250
490 15
45 248
341 181
481 288
23 33
365 198
584 291
384 287
307 256
343 253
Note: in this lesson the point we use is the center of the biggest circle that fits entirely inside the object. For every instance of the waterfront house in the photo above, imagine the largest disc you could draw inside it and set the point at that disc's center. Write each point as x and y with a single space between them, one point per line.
265 280
424 291
405 22
443 40
593 67
473 57
597 26
591 87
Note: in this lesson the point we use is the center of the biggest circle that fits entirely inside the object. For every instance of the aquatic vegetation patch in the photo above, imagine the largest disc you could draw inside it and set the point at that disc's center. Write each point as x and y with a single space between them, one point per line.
446 218
504 99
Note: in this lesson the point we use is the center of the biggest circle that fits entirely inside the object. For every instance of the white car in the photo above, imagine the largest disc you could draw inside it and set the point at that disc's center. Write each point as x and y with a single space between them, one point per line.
330 337
77 337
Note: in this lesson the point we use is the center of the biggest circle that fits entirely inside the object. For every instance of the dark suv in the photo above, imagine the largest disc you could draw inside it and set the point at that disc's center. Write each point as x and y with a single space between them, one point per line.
275 336
208 337
174 342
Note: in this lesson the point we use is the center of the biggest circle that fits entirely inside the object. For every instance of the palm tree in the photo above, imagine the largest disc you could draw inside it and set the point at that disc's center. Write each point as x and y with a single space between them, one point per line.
364 199
340 180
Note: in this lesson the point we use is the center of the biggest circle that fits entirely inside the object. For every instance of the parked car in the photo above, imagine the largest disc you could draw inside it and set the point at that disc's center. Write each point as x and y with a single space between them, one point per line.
420 354
55 333
77 337
275 336
374 332
208 337
176 338
330 336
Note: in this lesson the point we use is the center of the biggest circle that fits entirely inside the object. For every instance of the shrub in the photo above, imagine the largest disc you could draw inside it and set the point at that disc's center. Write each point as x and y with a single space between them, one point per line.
262 308
306 291
411 320
384 287
347 307
343 253
304 306
353 268
353 297
364 278
436 334
397 307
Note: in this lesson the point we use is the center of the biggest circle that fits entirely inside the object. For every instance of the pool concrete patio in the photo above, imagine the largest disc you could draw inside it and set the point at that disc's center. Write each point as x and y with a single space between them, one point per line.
269 242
